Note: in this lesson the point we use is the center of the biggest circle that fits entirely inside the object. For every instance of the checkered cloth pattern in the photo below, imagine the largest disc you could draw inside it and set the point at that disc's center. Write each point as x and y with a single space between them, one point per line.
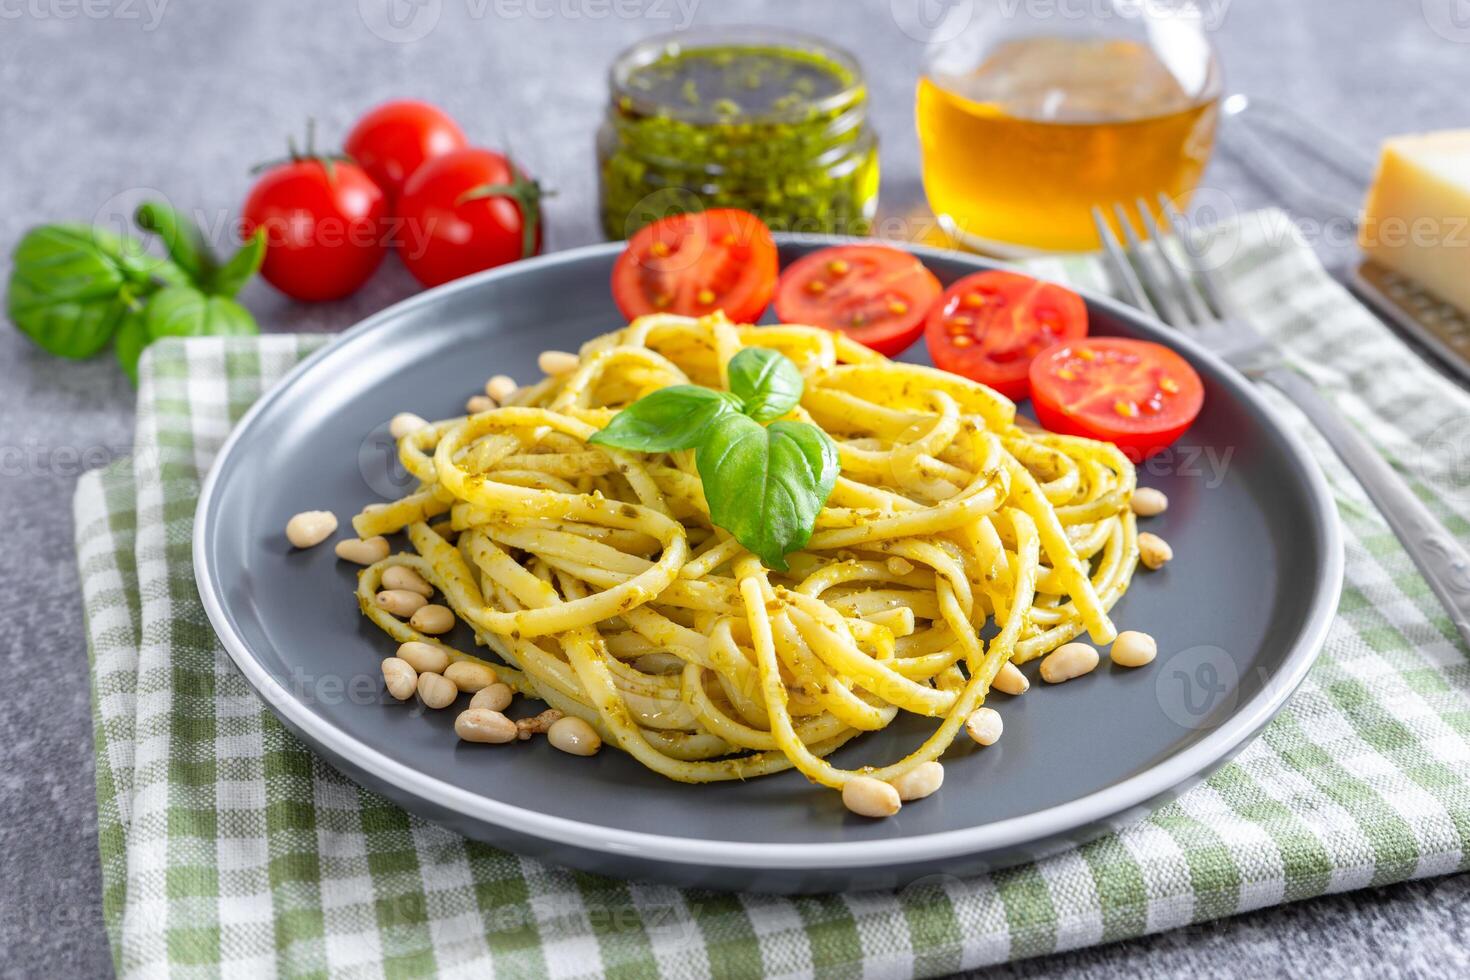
227 847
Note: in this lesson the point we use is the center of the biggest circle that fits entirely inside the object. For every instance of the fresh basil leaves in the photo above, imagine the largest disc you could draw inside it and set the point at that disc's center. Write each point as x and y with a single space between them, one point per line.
74 288
765 484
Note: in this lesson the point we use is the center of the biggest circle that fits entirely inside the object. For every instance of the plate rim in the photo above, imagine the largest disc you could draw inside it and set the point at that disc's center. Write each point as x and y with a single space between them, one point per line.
1159 779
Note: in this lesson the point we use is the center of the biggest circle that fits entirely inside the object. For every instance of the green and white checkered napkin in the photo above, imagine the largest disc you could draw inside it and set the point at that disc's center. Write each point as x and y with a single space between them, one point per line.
227 846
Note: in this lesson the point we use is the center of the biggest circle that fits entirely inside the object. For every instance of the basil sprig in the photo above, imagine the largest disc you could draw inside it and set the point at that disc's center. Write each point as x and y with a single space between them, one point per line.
765 484
74 288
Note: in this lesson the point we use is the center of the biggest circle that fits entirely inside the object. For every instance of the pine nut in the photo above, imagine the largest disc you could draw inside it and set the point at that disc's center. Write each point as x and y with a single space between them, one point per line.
405 423
574 736
400 678
436 690
403 577
470 676
869 797
478 404
1010 680
310 528
1134 649
484 725
400 602
985 726
921 781
527 727
501 387
424 656
899 566
496 697
1153 550
432 619
1147 502
363 551
1068 661
554 362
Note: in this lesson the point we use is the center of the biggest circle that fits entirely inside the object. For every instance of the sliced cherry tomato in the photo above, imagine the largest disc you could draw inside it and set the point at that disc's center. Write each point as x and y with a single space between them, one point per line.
323 222
1137 394
465 211
990 325
696 263
875 294
392 140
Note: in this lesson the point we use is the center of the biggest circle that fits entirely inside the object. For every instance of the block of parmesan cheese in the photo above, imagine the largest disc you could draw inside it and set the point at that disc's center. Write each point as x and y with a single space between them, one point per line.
1417 217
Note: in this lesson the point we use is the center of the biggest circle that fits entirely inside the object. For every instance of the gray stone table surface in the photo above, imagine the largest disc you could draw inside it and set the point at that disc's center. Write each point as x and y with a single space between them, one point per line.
103 101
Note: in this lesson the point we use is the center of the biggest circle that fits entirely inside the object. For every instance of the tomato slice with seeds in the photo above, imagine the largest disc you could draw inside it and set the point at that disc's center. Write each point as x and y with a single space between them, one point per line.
1134 393
697 263
989 326
876 295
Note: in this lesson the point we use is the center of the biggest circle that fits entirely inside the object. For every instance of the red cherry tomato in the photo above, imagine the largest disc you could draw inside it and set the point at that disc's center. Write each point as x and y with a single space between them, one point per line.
876 295
391 141
696 263
323 221
989 326
466 211
1137 394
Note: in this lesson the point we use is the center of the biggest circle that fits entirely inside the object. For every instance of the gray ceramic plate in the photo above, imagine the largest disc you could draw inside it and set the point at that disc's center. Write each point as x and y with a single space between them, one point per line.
1239 616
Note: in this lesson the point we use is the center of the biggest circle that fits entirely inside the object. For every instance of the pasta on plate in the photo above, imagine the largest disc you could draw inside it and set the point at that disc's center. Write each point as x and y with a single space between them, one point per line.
954 541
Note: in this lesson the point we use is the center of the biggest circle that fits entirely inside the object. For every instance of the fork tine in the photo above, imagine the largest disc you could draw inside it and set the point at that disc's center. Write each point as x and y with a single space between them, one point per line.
1173 313
1118 264
1197 311
1214 289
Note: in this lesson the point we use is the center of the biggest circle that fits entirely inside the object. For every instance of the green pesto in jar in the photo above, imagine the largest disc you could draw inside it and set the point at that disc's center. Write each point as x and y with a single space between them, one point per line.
769 123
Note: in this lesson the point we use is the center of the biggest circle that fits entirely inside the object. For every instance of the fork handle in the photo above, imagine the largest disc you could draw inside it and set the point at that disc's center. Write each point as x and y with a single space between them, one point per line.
1442 561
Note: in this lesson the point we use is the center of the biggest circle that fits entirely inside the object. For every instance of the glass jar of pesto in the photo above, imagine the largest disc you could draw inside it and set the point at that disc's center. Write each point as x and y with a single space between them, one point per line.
771 122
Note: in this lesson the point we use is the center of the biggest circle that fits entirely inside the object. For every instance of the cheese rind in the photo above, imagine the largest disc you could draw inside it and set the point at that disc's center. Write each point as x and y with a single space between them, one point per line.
1416 220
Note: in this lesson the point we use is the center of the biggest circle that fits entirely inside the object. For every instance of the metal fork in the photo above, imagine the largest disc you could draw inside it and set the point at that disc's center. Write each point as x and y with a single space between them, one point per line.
1154 282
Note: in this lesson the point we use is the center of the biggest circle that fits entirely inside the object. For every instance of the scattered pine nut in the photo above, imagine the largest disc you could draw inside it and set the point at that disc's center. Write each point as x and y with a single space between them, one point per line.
405 423
478 404
1148 502
403 577
1068 661
899 566
573 736
985 726
484 725
554 362
436 690
501 388
432 619
424 656
1134 649
1154 551
400 602
310 528
400 678
869 797
363 551
921 781
535 726
496 697
1010 680
470 676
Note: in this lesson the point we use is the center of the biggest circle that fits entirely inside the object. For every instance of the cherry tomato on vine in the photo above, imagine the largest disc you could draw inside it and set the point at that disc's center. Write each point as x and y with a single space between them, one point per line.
465 211
697 263
394 139
1136 394
324 226
989 326
875 294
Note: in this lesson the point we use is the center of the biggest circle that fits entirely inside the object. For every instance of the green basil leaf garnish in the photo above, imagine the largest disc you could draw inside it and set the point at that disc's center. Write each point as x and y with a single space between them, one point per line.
182 238
132 337
183 311
767 383
766 484
667 419
230 277
64 286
